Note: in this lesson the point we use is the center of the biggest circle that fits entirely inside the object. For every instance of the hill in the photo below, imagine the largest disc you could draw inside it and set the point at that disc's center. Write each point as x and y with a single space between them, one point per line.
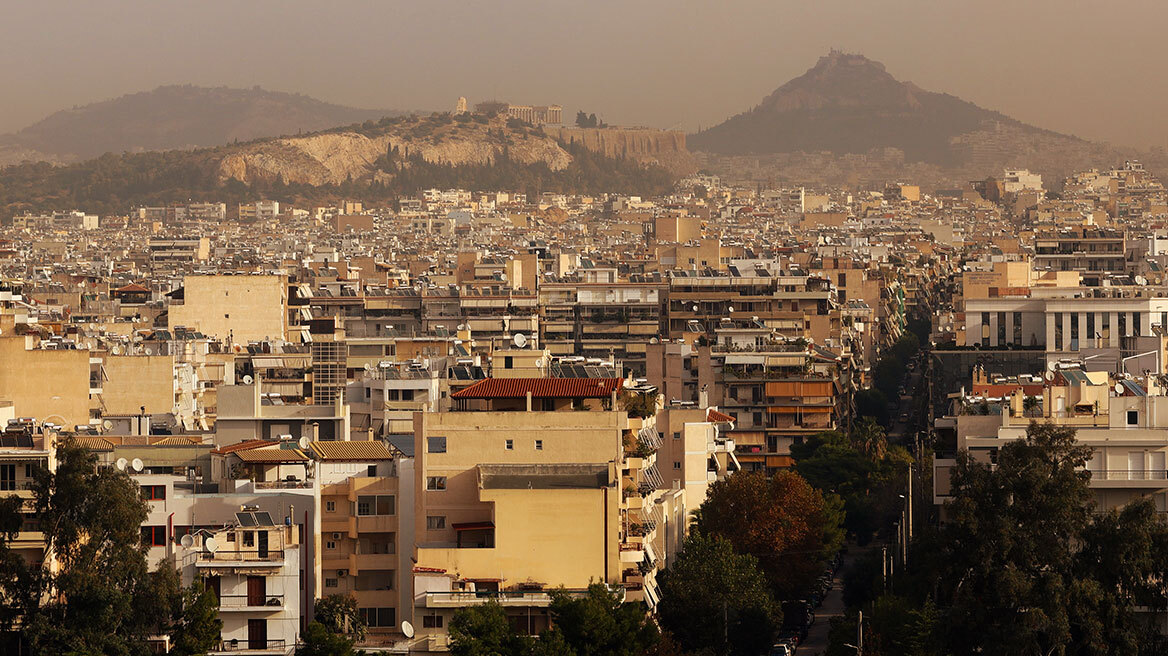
848 104
174 117
373 161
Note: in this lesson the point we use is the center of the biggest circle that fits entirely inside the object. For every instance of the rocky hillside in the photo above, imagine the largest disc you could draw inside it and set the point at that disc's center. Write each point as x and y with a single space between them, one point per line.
850 105
361 152
174 117
374 161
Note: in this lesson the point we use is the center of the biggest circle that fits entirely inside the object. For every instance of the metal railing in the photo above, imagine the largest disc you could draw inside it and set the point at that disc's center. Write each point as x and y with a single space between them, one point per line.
1129 474
242 555
249 644
244 600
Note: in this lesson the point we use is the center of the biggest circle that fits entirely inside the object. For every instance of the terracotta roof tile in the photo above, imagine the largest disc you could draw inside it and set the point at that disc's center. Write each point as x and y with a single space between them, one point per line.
354 450
243 446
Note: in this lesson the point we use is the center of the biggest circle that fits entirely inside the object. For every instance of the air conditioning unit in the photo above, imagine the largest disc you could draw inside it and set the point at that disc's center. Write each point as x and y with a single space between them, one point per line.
337 536
342 573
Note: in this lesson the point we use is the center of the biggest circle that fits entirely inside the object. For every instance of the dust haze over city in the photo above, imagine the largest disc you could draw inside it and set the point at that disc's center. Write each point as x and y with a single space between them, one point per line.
585 329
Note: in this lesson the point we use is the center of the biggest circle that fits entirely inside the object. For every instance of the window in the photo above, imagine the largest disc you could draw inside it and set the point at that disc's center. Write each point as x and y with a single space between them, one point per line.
677 435
378 579
539 445
154 536
435 522
249 538
436 483
154 492
372 471
380 504
1133 417
330 583
407 395
436 445
330 506
378 617
508 362
29 469
431 621
329 544
677 464
510 445
8 477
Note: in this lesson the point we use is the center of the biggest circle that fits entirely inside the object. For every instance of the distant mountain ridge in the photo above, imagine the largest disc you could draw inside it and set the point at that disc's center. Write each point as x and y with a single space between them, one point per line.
175 117
849 104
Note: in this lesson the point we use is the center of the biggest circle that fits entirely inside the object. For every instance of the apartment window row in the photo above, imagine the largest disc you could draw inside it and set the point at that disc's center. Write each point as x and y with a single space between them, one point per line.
8 475
436 483
379 504
435 522
510 445
154 492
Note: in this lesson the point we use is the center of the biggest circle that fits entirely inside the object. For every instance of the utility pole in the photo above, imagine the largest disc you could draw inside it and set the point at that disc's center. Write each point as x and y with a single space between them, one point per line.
860 634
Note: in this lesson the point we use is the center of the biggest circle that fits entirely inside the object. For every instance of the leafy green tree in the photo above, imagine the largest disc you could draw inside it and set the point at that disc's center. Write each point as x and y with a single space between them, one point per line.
339 614
600 624
784 522
94 600
199 627
1008 571
715 599
484 630
317 640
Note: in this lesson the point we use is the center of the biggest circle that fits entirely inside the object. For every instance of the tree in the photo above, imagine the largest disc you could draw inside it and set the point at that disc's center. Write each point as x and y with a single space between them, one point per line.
601 624
99 597
784 522
199 627
873 404
484 630
1007 571
339 614
715 599
317 640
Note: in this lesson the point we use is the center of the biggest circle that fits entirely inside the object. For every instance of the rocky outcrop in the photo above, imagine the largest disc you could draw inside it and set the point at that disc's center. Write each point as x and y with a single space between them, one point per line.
643 145
332 158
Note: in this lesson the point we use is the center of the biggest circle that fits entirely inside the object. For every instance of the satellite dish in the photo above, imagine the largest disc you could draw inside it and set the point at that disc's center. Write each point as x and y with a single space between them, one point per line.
136 463
520 340
304 442
210 545
407 629
187 541
1119 388
730 308
1049 376
248 380
116 350
121 464
107 424
539 363
1050 366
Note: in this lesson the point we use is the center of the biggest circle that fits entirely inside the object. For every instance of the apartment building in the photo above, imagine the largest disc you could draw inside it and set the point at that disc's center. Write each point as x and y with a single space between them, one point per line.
515 485
253 566
238 308
1120 417
367 529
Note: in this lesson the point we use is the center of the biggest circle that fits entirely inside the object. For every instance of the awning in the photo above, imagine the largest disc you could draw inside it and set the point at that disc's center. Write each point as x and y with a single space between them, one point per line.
473 526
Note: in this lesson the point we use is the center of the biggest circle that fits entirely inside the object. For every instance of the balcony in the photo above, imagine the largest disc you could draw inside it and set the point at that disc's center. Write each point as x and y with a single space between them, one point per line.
268 603
1130 478
513 598
242 558
251 646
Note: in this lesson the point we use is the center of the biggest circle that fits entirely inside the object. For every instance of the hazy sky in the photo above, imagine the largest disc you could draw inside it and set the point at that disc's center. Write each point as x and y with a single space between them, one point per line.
1092 69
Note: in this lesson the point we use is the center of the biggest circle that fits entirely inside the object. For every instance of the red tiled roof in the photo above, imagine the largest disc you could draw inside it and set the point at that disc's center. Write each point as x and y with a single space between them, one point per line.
132 287
713 415
243 446
540 388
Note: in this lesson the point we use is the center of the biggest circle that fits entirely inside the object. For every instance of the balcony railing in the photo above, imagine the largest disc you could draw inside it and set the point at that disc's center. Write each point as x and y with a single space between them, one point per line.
282 485
1129 475
271 556
241 601
247 644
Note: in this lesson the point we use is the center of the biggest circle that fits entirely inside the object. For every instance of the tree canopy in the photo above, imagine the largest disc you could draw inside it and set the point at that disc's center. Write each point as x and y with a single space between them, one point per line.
784 522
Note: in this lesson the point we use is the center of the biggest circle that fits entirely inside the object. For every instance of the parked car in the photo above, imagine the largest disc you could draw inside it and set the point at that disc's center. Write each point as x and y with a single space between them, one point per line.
782 649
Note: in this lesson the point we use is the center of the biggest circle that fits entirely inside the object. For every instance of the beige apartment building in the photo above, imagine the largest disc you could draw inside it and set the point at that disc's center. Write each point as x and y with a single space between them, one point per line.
242 308
46 384
532 484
